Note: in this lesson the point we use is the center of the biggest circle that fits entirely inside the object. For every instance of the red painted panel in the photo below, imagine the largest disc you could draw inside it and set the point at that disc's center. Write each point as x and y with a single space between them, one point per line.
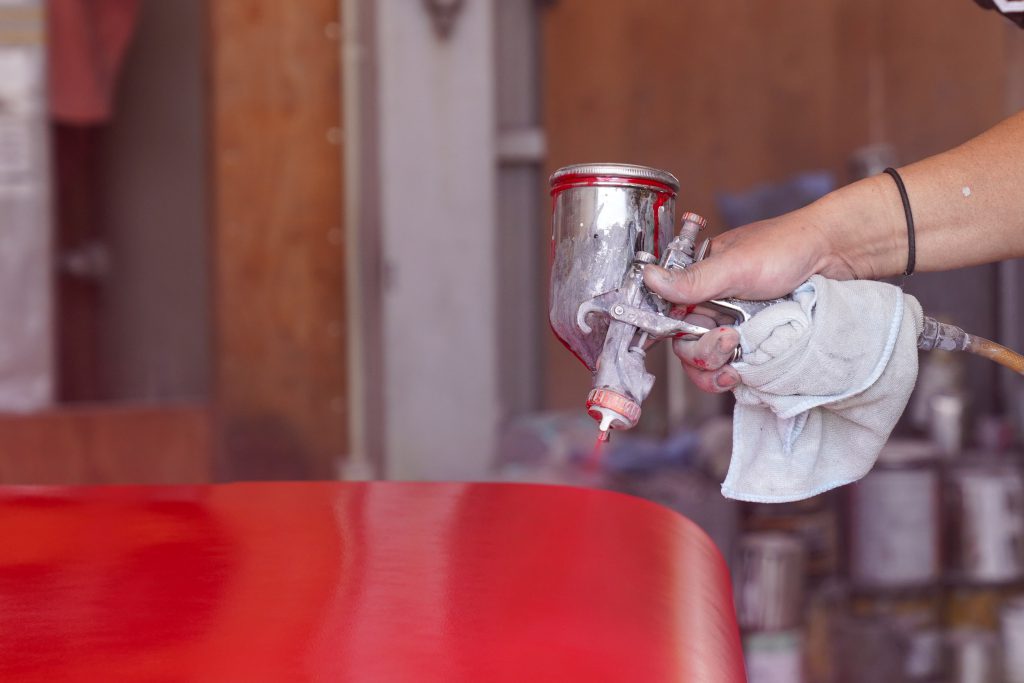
358 582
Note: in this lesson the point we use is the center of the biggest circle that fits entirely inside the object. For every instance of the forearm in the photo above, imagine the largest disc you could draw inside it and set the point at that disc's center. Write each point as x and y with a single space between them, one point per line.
968 206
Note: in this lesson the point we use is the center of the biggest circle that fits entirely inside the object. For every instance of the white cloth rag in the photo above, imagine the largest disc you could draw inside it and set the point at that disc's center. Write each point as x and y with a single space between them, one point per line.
825 377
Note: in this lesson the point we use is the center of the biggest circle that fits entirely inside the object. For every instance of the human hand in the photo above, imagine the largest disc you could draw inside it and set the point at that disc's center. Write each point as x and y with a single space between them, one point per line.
706 359
764 260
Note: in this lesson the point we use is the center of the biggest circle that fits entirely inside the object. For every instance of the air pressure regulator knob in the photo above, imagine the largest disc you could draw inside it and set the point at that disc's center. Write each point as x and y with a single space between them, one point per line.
680 252
695 218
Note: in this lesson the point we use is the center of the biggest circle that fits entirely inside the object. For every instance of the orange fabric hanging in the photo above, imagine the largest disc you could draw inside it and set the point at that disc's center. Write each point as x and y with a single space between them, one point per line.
87 42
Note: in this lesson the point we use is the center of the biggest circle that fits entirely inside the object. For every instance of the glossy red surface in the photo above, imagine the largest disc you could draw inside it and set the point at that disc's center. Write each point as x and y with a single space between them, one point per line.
358 582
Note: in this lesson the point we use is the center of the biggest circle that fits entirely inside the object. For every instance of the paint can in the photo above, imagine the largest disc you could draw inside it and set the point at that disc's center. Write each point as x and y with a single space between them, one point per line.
947 422
815 521
1011 632
976 606
901 635
894 519
826 606
972 656
985 521
776 657
869 650
768 577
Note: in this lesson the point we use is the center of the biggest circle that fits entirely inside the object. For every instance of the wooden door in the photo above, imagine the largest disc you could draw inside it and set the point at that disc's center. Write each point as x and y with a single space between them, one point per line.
272 397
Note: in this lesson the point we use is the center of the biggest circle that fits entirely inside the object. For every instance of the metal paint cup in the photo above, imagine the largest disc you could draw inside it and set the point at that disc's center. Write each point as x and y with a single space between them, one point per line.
602 214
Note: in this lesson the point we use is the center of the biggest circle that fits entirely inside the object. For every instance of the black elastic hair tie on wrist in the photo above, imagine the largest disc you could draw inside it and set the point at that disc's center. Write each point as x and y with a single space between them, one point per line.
911 254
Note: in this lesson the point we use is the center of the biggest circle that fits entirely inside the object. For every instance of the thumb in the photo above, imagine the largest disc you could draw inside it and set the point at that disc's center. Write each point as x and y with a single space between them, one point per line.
694 284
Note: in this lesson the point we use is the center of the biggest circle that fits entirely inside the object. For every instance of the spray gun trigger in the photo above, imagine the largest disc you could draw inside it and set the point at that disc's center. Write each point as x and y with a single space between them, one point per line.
654 324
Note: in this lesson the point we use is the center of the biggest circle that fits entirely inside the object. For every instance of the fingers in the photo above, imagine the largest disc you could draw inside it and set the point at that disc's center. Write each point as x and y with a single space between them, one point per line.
713 381
706 360
759 261
709 352
699 282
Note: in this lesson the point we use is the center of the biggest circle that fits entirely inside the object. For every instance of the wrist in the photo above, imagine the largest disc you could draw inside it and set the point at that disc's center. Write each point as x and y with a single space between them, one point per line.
862 229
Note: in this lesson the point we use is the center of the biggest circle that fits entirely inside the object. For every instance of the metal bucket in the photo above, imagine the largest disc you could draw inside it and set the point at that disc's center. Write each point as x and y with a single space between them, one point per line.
894 520
602 214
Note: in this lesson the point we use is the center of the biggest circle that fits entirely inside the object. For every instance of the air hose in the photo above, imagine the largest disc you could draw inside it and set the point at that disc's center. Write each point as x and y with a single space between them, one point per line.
947 337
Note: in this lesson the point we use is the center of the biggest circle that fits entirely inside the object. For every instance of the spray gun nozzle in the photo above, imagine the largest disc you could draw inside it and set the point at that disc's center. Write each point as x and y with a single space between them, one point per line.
606 423
612 410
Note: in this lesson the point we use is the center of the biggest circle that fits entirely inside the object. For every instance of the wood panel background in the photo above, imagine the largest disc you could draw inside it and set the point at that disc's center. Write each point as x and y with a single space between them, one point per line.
729 95
278 252
169 444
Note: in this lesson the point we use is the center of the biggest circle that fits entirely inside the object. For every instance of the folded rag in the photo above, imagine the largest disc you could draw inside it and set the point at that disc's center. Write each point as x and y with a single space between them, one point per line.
825 377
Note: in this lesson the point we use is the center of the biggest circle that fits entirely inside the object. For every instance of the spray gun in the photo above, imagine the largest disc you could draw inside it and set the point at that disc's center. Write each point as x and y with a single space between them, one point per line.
637 319
611 220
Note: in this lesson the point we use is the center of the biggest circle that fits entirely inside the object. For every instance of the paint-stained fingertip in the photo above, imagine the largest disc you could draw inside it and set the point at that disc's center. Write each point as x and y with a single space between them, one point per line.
726 343
726 380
